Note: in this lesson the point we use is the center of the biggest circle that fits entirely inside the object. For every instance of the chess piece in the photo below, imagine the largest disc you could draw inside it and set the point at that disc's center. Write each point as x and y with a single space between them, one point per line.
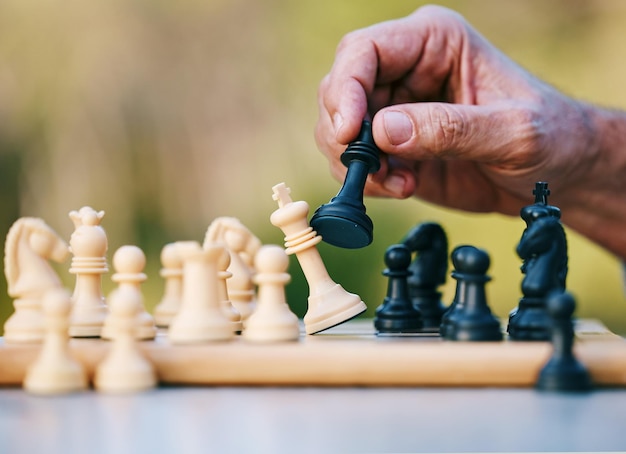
343 221
562 372
543 248
472 319
242 246
428 271
200 318
129 262
89 245
55 371
228 309
272 321
124 368
30 243
397 314
328 303
172 273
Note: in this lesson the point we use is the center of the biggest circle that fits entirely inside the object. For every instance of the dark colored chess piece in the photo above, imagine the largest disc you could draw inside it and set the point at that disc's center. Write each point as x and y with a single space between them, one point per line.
563 372
343 222
396 314
428 271
471 319
543 249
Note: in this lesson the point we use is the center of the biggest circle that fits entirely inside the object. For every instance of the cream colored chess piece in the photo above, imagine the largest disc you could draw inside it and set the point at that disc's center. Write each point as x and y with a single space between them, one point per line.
55 371
172 273
129 263
200 318
29 245
89 245
242 245
329 303
272 321
227 307
124 369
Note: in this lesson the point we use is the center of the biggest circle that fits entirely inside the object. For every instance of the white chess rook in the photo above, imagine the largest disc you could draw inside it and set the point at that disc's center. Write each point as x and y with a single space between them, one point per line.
329 304
200 318
272 321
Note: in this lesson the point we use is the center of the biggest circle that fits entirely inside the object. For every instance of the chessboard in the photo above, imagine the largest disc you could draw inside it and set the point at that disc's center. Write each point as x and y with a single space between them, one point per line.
350 354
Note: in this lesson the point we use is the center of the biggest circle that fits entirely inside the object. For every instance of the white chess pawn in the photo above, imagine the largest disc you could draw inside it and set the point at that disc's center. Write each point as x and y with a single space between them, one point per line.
129 262
200 318
227 307
55 371
89 245
240 286
172 273
124 369
272 321
329 303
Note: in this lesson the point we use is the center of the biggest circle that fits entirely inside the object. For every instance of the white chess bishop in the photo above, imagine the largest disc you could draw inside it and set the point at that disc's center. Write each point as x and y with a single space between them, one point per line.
329 303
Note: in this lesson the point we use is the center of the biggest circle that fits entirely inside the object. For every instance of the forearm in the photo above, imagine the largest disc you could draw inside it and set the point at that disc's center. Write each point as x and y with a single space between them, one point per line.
596 207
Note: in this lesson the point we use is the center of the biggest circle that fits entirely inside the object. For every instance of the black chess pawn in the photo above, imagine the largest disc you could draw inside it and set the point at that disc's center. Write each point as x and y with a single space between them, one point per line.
471 320
428 270
563 372
396 314
343 222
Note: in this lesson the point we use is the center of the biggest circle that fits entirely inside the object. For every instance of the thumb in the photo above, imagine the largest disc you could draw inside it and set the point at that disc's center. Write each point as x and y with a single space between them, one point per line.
441 130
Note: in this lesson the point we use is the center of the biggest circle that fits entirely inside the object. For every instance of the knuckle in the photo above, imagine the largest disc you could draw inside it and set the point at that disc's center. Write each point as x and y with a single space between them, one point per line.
448 128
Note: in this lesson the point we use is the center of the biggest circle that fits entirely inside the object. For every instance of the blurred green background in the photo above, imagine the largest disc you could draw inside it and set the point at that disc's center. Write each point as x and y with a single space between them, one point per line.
167 115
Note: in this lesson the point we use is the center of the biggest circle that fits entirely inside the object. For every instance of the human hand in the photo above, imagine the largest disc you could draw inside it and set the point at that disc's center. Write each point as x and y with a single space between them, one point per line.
460 124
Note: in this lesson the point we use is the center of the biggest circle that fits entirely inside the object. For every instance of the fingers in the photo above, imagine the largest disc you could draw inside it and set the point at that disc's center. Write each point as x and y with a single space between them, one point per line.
504 135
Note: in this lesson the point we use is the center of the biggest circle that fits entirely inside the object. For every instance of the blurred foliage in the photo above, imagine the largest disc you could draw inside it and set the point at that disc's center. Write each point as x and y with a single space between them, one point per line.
168 114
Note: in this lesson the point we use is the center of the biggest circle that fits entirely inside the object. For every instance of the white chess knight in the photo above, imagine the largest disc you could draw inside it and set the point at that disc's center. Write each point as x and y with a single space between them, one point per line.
200 318
329 303
88 245
29 245
242 246
272 321
55 371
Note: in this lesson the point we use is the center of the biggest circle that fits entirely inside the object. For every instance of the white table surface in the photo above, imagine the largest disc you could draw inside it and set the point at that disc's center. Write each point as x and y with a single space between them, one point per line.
313 420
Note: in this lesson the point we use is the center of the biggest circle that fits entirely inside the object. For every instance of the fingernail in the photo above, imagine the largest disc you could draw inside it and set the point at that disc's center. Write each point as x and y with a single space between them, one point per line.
395 184
337 122
398 127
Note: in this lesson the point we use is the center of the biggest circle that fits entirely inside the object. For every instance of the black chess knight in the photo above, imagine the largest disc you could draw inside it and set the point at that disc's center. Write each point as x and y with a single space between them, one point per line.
428 269
543 249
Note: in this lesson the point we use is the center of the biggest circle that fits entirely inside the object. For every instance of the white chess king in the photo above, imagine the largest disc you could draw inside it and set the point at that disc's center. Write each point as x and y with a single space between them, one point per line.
329 303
